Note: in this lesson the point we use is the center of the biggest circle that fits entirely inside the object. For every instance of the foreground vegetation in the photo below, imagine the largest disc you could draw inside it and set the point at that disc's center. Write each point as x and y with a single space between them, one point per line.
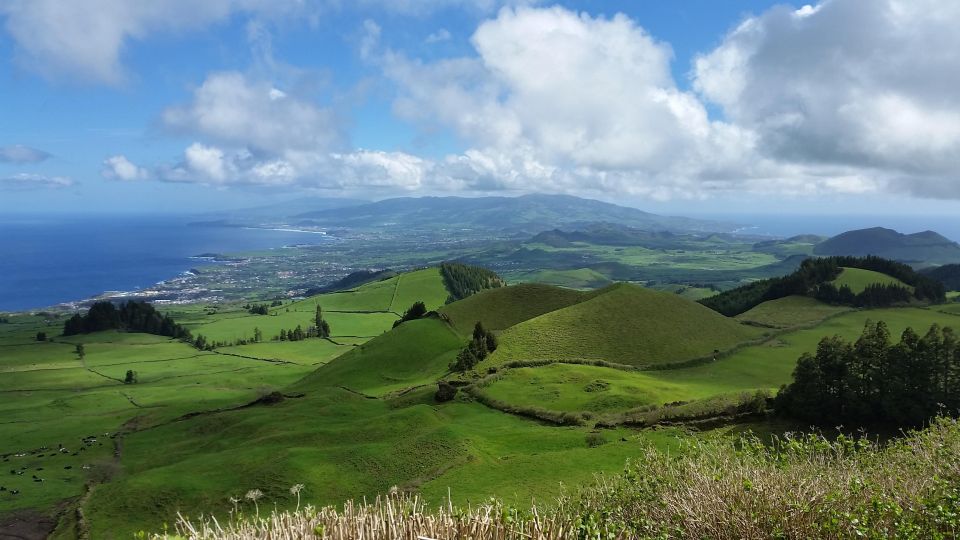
793 487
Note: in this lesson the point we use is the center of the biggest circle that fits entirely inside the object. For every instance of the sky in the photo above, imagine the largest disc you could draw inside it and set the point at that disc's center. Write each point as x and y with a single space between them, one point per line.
692 107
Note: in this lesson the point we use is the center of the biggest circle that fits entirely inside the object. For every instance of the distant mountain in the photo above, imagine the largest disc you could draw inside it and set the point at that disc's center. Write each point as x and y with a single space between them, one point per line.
525 214
918 249
275 212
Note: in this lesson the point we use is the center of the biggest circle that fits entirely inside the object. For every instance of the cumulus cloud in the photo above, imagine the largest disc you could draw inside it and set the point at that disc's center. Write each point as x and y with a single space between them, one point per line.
121 168
21 154
865 84
26 181
233 109
556 100
85 38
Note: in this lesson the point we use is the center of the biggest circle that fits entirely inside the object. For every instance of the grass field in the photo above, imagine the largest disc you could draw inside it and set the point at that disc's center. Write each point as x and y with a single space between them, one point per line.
359 416
623 324
858 279
790 312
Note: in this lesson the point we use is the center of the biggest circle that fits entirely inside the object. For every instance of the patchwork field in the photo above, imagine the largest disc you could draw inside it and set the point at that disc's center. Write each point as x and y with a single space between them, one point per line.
356 415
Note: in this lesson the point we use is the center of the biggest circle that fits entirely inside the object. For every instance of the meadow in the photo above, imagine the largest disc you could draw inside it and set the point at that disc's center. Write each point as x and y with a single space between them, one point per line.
355 415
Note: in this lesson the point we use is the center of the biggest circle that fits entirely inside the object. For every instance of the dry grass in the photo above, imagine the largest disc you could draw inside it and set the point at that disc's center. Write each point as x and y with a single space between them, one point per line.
797 487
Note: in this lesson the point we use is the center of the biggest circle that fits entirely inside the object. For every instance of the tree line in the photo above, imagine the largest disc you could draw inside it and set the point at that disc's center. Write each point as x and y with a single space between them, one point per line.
463 280
874 381
131 316
812 279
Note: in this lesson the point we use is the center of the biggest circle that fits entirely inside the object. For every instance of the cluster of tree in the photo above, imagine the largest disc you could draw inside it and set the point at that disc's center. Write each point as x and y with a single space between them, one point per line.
948 274
132 316
41 336
258 309
416 311
482 343
4 320
463 280
873 296
816 272
874 381
131 377
297 334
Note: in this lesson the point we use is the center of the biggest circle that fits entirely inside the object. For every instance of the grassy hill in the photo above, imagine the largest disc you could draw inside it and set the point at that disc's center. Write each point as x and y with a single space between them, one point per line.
859 279
623 324
499 309
413 354
790 311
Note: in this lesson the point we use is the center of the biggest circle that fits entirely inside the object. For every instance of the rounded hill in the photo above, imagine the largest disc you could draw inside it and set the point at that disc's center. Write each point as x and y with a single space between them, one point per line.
624 324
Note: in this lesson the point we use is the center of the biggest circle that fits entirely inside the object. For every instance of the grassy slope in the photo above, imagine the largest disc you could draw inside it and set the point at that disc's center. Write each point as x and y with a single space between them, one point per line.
499 309
763 366
623 324
790 311
50 397
415 353
858 279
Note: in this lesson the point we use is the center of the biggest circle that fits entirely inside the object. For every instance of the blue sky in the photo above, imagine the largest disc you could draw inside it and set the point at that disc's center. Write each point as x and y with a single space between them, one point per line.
682 107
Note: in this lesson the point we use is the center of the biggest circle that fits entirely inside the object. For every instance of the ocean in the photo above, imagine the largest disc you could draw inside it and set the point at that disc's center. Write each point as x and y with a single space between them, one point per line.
46 261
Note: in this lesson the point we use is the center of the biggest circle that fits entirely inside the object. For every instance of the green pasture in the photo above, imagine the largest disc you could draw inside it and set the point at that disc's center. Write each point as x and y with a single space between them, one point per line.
790 312
858 279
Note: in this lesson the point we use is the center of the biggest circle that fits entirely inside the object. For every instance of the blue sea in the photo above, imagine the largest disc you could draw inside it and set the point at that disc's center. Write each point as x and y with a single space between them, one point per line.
46 261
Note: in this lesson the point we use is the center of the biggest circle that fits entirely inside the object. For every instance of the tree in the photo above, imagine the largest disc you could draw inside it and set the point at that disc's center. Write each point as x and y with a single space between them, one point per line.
319 316
81 352
283 335
257 335
41 336
415 311
324 329
131 377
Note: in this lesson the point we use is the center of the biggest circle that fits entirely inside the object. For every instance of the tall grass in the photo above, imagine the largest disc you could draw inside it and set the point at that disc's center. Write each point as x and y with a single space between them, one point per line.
797 487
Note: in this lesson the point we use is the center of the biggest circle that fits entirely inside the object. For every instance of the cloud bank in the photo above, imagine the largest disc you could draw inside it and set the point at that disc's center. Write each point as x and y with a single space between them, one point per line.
847 96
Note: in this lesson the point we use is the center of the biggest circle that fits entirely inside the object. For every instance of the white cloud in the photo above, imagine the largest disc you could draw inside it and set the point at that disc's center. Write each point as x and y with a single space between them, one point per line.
866 84
85 39
26 181
121 168
231 108
560 101
21 154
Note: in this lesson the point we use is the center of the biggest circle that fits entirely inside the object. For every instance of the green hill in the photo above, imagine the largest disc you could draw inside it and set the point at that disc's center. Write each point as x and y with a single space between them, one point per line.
499 309
923 247
859 279
412 354
623 324
789 312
